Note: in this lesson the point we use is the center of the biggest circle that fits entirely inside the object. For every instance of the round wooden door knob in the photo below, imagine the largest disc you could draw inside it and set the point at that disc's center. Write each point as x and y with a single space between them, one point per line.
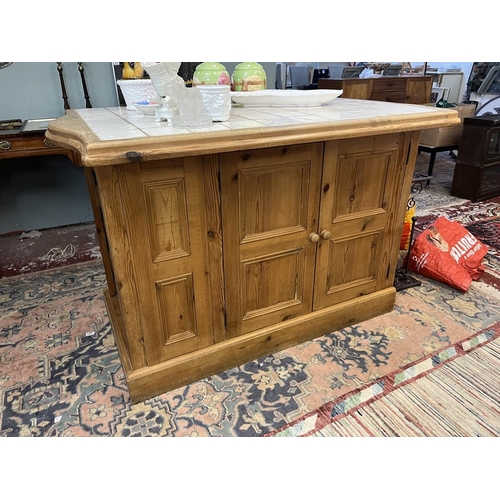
314 238
326 235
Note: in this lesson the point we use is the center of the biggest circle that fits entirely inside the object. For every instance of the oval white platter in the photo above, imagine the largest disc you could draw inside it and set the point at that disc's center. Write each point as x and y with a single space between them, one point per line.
287 98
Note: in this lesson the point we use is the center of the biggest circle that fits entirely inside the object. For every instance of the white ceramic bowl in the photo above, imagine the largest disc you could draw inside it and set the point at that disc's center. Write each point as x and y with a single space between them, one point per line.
137 91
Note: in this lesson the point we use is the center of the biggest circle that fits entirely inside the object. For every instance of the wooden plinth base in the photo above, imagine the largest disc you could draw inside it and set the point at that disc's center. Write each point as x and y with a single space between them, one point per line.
154 380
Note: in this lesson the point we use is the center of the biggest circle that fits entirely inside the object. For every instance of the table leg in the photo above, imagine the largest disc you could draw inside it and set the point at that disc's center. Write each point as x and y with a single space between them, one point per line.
431 166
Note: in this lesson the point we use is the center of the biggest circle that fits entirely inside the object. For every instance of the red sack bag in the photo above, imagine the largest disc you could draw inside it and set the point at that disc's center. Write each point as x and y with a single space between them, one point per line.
449 253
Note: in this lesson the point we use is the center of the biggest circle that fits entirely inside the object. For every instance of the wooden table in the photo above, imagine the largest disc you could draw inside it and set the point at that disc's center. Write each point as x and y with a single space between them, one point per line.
18 144
433 150
226 244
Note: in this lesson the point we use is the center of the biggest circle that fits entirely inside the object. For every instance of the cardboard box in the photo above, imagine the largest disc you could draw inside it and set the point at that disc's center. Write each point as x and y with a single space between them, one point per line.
447 136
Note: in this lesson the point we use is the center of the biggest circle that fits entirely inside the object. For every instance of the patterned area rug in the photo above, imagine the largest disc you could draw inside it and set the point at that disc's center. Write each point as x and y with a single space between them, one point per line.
462 391
449 393
60 373
437 194
25 252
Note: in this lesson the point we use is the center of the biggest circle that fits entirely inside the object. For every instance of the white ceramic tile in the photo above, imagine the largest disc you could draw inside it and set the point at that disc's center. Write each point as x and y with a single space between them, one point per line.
304 118
286 111
244 124
153 125
122 134
139 116
215 127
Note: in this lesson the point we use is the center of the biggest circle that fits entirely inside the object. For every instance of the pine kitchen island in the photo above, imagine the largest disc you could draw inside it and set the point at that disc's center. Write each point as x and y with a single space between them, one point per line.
225 244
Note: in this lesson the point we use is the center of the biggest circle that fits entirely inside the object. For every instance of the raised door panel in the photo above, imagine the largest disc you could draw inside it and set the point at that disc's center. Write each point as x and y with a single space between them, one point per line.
167 218
269 207
355 216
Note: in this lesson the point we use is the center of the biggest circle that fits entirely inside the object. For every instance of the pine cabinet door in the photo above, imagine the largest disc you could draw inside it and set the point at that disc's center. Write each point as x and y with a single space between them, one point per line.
356 217
269 212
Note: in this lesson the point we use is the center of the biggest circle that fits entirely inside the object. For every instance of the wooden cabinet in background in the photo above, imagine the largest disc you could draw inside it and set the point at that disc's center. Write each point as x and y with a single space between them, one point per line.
477 172
403 89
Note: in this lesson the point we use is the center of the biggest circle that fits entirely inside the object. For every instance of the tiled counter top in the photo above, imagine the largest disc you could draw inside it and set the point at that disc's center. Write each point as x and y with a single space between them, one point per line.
110 135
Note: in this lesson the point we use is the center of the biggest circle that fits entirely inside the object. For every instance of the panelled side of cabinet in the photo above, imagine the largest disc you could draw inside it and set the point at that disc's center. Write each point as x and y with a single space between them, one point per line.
155 215
122 307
